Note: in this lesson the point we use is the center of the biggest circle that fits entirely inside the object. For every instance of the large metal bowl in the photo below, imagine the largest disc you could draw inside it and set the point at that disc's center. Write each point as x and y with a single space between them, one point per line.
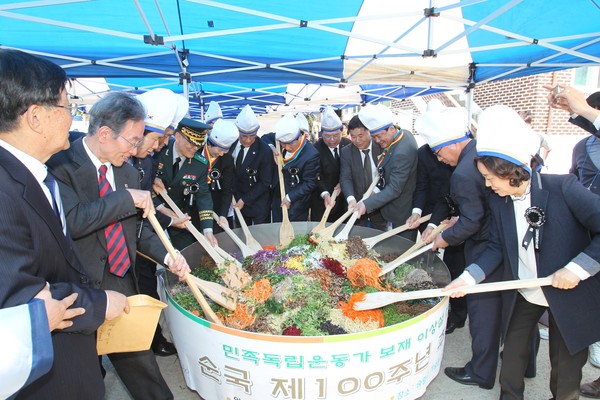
397 361
268 234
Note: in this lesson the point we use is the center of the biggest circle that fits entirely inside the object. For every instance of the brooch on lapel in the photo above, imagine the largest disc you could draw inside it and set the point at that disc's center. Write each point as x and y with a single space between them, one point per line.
536 218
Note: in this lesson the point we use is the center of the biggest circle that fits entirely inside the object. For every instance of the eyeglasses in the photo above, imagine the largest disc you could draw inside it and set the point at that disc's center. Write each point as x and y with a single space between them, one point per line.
136 144
437 152
72 108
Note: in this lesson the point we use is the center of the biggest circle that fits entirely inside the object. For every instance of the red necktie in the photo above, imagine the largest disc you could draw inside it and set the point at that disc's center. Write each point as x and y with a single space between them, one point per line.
118 256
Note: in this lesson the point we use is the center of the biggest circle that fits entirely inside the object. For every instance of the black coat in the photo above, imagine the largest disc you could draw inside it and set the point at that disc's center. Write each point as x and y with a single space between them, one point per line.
34 251
254 179
570 233
329 177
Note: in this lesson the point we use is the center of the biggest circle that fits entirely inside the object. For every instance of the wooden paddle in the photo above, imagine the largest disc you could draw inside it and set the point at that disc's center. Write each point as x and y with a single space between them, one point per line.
328 209
372 241
250 241
381 299
343 235
392 265
246 251
208 312
234 276
328 232
395 263
286 231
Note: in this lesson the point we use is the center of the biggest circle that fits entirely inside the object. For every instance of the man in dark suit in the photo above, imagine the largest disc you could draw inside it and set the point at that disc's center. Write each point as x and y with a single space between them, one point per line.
34 248
182 171
358 169
446 133
300 170
254 168
329 147
396 165
101 197
542 226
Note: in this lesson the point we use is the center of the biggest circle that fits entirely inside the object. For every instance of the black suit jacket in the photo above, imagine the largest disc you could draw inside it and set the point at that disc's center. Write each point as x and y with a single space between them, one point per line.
433 180
467 189
329 177
299 186
352 170
34 250
88 214
255 192
571 232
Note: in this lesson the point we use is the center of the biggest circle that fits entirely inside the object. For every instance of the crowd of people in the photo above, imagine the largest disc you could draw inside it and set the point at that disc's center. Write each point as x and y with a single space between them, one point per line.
75 240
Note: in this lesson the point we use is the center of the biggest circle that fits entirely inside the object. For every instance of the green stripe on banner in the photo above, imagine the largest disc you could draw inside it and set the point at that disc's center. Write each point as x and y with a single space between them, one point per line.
187 313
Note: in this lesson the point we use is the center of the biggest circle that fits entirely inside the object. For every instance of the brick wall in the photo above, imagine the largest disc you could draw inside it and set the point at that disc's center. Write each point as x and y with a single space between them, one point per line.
522 94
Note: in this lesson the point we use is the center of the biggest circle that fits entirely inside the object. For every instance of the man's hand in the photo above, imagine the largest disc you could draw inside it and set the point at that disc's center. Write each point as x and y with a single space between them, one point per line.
178 266
413 221
564 279
117 305
360 208
211 238
239 204
143 200
180 222
158 185
454 288
58 311
327 201
286 203
352 204
438 242
223 222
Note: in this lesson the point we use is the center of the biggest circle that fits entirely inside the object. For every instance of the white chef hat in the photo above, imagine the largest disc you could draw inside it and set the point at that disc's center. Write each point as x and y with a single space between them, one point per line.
246 121
502 133
223 134
287 129
444 127
330 122
182 107
160 108
302 123
376 118
213 113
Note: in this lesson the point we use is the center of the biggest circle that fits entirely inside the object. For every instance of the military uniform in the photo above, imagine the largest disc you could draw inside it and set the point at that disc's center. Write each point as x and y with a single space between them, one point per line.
220 183
189 190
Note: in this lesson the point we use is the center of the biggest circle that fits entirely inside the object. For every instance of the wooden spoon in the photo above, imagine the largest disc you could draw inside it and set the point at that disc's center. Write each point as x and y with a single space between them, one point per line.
234 276
246 251
382 299
250 241
393 264
286 231
343 235
208 312
328 232
328 209
372 241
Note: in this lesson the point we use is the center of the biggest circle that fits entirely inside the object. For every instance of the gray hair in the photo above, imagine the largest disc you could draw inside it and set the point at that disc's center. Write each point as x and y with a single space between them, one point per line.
114 111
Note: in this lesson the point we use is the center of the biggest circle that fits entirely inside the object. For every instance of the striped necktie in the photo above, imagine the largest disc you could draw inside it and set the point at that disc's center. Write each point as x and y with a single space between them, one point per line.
51 184
116 247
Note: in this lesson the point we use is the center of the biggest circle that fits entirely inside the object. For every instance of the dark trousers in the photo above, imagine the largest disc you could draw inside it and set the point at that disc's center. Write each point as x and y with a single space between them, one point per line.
146 274
565 376
485 311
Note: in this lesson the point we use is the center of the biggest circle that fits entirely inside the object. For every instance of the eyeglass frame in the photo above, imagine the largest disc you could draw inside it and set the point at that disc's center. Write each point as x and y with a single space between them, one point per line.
134 145
72 108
